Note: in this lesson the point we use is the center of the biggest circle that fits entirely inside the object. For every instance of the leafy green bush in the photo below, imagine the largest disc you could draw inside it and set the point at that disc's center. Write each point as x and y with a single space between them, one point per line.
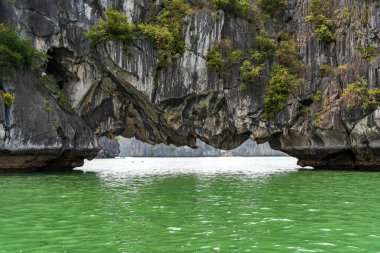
325 33
287 52
49 82
219 62
317 96
265 48
16 53
368 52
117 138
165 30
281 84
250 72
161 36
8 99
319 11
272 7
357 95
57 126
62 98
172 18
114 27
235 8
215 60
325 70
173 14
235 56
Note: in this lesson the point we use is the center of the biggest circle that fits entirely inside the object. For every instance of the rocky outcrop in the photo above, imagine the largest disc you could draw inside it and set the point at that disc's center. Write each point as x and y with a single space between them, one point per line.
115 92
37 134
109 148
135 148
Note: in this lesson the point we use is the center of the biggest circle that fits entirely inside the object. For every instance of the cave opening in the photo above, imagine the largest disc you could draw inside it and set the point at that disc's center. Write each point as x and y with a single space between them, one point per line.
58 66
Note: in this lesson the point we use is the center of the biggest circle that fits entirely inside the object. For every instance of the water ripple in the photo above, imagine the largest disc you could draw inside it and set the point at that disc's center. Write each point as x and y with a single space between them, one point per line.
190 205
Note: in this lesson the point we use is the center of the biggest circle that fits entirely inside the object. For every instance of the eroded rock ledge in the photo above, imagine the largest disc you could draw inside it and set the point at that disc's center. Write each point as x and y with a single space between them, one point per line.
37 134
117 93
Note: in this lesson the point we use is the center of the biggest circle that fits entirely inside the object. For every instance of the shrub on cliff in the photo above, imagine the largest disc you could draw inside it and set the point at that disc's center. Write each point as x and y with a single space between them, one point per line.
16 53
222 57
8 99
60 95
265 48
368 52
281 84
250 72
165 30
357 95
272 7
235 8
215 60
319 12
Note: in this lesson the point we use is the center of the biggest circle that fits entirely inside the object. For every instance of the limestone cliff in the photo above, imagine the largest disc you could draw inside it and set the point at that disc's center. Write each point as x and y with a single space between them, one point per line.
327 121
135 148
109 148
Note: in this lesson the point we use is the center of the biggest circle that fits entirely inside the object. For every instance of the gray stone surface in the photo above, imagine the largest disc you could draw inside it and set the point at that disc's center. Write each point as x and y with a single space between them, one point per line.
39 134
109 148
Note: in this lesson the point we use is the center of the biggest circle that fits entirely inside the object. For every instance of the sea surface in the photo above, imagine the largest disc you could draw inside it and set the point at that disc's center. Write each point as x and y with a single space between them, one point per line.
259 204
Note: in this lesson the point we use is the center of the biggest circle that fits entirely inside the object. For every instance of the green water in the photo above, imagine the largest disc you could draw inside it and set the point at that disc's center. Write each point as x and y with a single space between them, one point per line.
310 211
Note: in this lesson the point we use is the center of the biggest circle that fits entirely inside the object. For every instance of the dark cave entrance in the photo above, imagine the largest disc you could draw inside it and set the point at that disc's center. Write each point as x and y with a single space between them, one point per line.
57 66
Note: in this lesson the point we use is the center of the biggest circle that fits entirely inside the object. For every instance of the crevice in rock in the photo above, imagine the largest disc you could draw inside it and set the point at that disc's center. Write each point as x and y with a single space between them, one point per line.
306 102
155 85
57 68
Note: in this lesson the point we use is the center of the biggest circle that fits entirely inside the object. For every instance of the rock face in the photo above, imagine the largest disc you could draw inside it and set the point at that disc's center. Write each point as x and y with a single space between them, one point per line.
136 148
118 93
37 134
109 148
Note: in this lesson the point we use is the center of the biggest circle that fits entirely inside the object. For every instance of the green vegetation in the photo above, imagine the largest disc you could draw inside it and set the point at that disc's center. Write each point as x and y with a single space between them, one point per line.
287 52
57 126
218 62
281 52
62 98
12 2
368 52
265 48
317 96
215 60
48 108
165 30
16 53
117 138
319 13
235 56
114 27
235 8
341 70
172 18
250 72
252 67
283 77
272 7
281 84
8 99
325 70
173 14
245 10
358 95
